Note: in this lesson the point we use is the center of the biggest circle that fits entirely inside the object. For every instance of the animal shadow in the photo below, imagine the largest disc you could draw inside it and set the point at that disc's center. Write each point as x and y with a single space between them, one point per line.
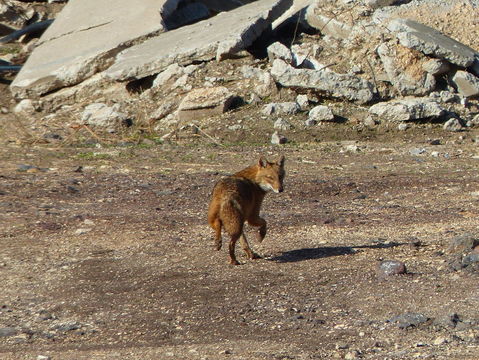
325 251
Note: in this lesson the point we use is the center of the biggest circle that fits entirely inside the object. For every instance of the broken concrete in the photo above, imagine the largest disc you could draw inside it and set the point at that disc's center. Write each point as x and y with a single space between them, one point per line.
407 109
345 86
327 26
83 40
467 84
217 37
205 102
431 42
405 69
279 51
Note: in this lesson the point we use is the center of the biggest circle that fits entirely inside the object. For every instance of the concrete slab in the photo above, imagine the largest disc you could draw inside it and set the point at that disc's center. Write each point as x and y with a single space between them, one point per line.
83 40
217 37
420 37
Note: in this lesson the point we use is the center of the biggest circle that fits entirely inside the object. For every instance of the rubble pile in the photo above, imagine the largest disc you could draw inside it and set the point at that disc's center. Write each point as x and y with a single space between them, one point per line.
171 63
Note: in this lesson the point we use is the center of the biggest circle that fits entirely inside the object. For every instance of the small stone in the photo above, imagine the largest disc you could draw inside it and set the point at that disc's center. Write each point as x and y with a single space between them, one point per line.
417 151
282 124
403 126
277 139
321 113
463 243
391 267
287 108
82 231
43 357
352 355
303 101
310 122
25 106
441 340
408 320
369 122
453 125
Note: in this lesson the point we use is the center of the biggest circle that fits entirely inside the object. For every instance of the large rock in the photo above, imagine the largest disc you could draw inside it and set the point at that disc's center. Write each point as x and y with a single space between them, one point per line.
345 86
407 109
84 39
466 83
217 37
420 37
205 102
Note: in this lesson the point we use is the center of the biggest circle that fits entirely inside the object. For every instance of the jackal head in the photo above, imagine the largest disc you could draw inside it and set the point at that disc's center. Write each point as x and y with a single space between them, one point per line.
270 175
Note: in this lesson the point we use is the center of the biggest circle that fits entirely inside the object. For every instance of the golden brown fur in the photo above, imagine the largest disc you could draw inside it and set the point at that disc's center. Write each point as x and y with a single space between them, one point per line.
238 198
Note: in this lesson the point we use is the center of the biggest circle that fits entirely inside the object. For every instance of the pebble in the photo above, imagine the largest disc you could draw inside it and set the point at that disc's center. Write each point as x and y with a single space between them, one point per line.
391 267
277 139
82 231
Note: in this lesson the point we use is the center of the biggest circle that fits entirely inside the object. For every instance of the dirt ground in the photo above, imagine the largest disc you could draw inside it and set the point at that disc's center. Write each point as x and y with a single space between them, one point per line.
106 254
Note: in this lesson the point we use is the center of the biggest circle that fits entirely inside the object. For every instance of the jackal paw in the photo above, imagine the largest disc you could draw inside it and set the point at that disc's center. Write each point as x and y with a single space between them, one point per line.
235 262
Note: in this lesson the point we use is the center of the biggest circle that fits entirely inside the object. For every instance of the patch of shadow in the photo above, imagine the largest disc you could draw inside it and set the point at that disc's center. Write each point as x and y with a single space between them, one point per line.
326 251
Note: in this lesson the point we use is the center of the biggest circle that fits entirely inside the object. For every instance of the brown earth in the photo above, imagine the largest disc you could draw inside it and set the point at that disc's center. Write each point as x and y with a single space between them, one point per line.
115 260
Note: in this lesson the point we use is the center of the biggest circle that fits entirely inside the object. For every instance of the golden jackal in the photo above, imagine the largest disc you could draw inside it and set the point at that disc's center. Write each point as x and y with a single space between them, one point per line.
237 198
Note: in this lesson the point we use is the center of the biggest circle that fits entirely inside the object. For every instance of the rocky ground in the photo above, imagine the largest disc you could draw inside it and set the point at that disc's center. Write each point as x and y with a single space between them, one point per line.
105 251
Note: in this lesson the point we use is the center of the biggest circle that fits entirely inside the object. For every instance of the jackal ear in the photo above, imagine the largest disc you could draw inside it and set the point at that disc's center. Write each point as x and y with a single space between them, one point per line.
262 162
281 161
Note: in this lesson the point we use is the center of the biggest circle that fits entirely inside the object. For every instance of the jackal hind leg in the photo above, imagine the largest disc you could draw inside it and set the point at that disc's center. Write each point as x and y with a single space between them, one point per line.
216 225
244 244
232 245
261 223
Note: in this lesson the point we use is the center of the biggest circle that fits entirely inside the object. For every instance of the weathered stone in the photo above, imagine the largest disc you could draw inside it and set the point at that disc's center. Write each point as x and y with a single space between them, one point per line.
204 102
26 106
102 116
288 108
463 243
321 113
420 37
407 109
75 46
466 83
405 70
453 125
436 66
345 86
278 139
282 124
217 37
173 70
391 267
279 51
303 101
408 320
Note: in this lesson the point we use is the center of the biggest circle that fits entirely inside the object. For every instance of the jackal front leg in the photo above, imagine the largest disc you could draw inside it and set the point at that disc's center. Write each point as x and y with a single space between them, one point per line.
259 221
244 244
